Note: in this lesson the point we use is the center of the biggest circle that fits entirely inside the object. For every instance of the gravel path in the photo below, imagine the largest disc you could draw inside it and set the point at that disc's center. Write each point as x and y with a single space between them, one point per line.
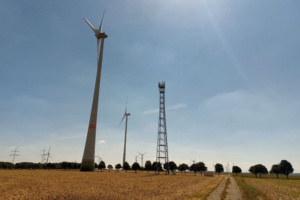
216 194
232 193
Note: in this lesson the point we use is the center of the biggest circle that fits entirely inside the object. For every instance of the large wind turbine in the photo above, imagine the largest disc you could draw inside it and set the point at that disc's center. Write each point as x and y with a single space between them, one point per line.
125 115
88 159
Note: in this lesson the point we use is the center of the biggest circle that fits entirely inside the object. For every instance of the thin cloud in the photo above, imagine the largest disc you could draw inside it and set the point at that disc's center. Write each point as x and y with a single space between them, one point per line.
101 141
174 107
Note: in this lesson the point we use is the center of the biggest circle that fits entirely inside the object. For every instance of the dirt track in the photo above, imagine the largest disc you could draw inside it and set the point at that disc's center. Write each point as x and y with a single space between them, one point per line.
232 192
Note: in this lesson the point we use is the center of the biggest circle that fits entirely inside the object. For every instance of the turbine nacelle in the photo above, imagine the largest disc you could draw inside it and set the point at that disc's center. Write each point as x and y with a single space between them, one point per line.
100 35
98 32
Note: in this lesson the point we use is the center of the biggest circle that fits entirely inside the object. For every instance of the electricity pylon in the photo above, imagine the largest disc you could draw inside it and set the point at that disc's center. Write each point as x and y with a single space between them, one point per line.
162 141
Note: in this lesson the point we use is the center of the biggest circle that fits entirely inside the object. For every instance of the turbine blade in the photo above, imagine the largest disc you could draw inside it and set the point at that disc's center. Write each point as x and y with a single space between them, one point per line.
122 119
100 28
92 27
126 105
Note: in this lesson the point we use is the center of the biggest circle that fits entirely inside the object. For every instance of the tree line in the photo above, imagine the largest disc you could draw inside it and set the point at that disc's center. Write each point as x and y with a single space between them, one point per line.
31 165
284 167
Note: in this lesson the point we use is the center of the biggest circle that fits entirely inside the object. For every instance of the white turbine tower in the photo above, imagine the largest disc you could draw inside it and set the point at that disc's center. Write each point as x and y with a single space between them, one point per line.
125 115
88 159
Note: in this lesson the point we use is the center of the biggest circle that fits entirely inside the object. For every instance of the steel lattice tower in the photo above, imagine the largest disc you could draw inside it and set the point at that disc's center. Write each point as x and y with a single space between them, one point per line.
162 141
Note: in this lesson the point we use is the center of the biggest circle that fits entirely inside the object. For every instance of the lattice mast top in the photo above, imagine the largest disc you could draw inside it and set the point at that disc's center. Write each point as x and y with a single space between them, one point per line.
162 155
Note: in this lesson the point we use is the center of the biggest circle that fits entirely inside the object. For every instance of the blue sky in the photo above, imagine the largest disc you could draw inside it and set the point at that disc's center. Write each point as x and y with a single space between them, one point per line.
231 70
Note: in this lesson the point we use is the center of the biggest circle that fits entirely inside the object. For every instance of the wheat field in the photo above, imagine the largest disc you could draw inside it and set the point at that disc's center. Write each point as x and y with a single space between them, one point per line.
59 184
276 188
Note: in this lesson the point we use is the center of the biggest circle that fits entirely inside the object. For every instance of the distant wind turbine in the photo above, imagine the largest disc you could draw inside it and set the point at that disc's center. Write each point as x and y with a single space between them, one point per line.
88 158
142 157
125 115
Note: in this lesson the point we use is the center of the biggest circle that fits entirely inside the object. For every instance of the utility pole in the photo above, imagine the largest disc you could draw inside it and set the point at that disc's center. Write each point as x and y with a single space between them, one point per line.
14 154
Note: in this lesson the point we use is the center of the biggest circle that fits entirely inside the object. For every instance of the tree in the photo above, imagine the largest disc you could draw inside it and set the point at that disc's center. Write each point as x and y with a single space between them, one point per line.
167 167
135 166
219 168
258 169
126 166
200 166
193 168
110 167
156 166
236 169
102 165
64 165
148 165
275 170
182 167
286 168
6 165
118 166
172 165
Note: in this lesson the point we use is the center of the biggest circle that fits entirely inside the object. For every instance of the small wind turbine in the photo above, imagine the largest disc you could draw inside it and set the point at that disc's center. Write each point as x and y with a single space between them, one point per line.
125 115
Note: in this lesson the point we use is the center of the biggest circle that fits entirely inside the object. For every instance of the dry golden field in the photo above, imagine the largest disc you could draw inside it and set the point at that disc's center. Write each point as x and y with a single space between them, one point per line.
269 187
276 189
58 184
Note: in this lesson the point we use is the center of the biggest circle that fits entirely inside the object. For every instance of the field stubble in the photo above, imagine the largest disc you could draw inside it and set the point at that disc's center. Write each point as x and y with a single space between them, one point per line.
269 187
56 184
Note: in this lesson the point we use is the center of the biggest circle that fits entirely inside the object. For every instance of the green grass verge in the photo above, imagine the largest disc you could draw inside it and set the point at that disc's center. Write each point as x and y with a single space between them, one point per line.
248 191
224 193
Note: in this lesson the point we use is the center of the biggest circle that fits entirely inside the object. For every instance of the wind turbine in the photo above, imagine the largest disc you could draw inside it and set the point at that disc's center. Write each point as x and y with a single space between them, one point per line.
142 156
88 158
125 115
